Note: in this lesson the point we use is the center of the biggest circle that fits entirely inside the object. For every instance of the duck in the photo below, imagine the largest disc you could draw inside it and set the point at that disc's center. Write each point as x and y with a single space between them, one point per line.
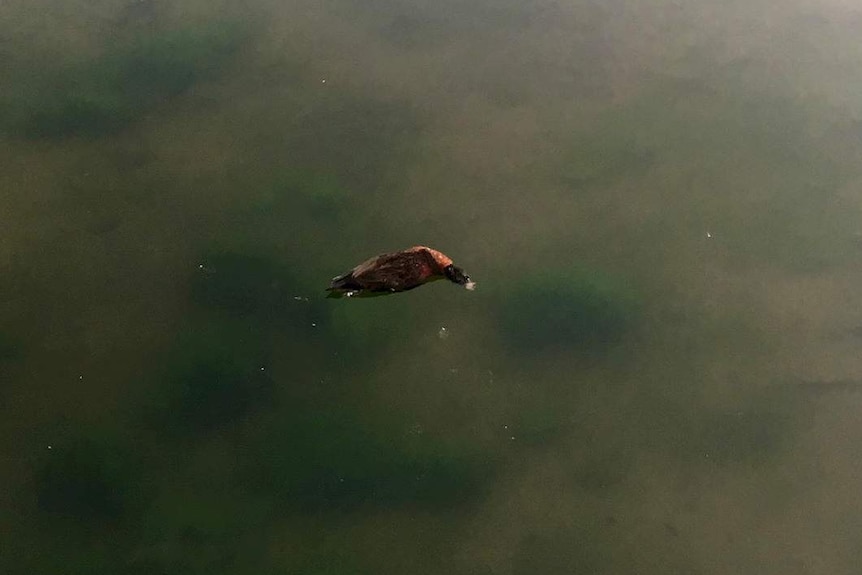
397 272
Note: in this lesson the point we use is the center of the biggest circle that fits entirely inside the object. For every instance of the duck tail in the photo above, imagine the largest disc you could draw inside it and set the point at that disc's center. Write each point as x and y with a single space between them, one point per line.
343 283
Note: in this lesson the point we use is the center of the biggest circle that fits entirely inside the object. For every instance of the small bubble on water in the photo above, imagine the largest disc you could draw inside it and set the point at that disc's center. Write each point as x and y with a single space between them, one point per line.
443 333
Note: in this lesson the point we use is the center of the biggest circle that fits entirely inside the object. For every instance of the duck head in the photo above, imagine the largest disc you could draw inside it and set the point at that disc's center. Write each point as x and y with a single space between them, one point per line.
456 275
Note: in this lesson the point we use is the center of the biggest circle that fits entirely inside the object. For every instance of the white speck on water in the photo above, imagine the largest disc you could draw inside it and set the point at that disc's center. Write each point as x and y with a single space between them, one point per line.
49 447
709 235
80 378
262 368
313 324
443 333
323 81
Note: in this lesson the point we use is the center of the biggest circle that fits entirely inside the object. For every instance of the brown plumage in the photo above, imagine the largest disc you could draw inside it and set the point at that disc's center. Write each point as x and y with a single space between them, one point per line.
399 271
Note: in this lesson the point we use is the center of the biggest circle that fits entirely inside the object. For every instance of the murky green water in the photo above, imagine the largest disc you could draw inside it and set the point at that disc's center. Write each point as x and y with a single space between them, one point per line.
658 373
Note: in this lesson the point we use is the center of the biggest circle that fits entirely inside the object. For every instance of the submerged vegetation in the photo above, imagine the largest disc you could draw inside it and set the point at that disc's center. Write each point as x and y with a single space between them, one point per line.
715 159
579 308
748 434
105 94
203 524
320 193
213 376
9 348
598 159
325 459
89 478
278 431
242 284
564 550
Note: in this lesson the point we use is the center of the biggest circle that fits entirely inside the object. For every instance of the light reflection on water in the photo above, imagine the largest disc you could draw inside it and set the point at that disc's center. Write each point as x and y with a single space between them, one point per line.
657 373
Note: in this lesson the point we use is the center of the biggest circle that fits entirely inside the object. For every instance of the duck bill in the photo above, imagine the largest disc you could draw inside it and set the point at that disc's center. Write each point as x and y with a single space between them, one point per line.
457 275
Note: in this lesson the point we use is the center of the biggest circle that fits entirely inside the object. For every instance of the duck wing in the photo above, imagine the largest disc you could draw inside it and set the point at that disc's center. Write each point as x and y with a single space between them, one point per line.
393 272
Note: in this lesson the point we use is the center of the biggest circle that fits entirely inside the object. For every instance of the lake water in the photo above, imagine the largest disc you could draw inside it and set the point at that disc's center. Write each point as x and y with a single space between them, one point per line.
660 370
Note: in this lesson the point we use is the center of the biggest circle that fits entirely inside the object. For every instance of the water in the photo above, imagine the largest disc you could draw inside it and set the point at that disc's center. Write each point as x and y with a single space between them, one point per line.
658 371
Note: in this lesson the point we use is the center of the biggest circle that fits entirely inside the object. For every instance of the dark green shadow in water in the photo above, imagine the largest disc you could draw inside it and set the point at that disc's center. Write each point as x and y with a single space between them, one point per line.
104 95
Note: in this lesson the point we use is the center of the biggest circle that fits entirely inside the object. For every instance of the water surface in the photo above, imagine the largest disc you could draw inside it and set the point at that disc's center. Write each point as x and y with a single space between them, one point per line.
658 373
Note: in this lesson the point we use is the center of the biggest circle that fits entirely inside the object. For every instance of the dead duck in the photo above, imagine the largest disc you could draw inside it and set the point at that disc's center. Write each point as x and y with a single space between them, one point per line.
399 271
